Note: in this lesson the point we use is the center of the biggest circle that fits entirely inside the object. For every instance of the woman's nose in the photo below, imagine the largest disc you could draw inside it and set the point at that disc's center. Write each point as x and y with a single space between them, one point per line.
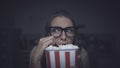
63 36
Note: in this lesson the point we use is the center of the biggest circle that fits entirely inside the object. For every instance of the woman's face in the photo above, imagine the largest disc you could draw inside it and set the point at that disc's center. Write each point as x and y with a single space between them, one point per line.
62 36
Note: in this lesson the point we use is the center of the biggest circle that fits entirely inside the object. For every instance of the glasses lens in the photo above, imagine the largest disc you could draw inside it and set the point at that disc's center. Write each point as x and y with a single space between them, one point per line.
55 31
70 31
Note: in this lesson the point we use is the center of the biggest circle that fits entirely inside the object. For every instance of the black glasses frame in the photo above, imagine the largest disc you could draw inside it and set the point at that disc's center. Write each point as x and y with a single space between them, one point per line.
63 29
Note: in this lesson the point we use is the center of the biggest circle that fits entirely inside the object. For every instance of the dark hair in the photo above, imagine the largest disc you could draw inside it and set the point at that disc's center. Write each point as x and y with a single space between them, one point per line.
58 14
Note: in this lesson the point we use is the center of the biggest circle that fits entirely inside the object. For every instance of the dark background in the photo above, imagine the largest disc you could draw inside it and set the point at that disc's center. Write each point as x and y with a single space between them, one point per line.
22 24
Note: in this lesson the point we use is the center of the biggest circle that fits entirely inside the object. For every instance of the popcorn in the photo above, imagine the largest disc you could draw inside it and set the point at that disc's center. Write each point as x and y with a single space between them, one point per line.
60 47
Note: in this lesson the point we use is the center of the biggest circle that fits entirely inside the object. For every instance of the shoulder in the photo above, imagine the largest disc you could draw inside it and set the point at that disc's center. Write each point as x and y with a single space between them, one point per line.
32 51
83 52
84 58
31 56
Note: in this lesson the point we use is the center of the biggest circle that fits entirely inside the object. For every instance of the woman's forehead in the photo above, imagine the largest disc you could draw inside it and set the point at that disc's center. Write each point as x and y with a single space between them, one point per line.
61 21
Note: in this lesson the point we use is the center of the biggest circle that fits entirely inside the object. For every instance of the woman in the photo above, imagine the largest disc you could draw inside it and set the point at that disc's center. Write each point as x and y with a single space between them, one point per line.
60 30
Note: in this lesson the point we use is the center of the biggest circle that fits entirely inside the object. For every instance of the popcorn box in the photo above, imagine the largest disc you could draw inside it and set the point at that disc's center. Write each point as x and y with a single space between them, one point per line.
61 58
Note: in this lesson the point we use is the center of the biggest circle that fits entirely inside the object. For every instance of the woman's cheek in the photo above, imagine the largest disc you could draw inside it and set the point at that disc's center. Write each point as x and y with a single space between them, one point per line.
71 40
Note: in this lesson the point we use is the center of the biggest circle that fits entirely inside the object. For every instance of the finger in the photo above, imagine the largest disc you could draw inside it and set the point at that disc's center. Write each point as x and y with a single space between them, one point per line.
46 44
46 39
49 42
41 46
49 37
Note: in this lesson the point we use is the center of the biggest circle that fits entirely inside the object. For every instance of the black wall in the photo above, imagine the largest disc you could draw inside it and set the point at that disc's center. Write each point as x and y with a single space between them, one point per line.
21 18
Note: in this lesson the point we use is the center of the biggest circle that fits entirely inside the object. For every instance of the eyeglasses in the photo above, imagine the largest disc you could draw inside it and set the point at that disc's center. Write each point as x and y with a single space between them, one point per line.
57 31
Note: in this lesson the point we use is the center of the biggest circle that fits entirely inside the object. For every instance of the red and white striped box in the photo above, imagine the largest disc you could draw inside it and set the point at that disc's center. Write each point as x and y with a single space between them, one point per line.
63 58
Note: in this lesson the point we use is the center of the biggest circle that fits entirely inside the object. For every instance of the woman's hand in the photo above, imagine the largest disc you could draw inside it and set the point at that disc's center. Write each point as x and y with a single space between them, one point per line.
37 52
43 43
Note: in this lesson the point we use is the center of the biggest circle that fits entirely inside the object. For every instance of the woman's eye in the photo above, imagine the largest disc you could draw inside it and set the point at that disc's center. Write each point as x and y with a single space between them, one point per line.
70 30
56 30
